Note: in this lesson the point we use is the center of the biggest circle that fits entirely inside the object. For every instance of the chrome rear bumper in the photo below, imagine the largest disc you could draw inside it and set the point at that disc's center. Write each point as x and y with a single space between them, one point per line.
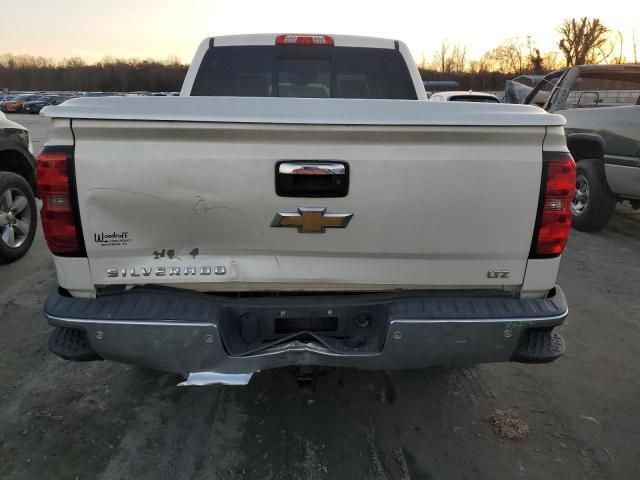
200 336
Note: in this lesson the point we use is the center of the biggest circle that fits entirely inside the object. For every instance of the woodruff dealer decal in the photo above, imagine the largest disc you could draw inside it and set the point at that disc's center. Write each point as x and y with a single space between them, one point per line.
112 239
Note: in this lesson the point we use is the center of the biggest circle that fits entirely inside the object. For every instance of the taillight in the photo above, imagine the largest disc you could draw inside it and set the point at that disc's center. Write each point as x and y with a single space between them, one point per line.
554 212
59 218
304 40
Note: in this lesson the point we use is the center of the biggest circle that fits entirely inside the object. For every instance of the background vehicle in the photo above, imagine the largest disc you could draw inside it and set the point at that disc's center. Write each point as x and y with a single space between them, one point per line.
440 85
15 104
6 99
350 224
35 106
602 106
95 94
528 80
17 186
461 96
540 96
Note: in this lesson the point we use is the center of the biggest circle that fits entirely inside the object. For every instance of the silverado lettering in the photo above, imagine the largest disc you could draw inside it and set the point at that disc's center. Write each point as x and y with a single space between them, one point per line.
161 271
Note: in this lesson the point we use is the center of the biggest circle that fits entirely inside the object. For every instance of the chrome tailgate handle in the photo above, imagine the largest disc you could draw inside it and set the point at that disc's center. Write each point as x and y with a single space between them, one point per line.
307 168
305 178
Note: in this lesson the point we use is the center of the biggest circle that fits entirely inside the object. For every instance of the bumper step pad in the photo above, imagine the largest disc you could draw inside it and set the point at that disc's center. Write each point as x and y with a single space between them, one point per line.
71 344
540 346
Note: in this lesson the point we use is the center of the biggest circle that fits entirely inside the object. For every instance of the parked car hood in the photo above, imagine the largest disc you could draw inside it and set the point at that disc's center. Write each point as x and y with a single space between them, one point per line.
6 123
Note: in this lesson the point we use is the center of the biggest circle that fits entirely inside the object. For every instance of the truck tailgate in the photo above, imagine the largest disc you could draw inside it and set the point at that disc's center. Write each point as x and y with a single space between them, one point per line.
191 203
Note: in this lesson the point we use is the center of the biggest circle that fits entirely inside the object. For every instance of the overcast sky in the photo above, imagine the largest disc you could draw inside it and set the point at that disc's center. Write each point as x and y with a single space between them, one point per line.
159 28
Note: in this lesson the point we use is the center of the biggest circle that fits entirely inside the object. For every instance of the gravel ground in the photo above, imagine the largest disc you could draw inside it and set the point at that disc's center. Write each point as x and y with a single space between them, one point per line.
578 418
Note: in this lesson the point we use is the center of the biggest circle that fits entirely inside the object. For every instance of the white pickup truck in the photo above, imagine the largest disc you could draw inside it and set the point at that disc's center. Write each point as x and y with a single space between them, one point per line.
301 204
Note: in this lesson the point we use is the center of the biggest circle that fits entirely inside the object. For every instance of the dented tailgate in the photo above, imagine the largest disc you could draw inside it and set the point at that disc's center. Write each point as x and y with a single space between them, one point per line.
194 203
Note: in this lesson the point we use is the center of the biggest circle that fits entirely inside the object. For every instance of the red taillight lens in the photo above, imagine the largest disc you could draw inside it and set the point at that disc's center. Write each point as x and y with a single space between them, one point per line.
304 40
57 212
554 223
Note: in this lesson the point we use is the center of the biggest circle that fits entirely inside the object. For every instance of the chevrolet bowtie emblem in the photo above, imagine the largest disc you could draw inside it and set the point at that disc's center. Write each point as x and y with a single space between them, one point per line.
311 219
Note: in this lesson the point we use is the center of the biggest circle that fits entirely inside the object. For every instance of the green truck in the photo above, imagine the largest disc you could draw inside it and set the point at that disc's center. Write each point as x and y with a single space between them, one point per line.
601 104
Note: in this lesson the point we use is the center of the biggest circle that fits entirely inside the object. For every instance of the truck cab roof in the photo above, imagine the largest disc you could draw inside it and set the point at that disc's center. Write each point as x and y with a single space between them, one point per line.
270 39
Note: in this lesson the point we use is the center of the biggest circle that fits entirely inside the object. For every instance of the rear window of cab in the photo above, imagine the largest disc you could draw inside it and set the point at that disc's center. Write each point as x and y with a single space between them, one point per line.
305 72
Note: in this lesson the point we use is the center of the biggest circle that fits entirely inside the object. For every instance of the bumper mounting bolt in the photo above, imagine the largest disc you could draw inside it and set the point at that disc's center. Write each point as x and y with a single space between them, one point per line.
397 335
208 338
363 320
99 334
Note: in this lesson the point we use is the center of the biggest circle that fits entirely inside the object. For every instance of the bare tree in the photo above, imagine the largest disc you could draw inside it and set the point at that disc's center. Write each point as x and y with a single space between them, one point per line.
482 65
488 63
551 61
582 40
619 44
459 57
510 56
423 61
536 61
611 51
441 57
634 46
450 58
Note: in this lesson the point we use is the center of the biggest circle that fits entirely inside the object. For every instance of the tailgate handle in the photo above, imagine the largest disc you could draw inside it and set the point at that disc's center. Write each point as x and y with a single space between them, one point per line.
295 168
312 179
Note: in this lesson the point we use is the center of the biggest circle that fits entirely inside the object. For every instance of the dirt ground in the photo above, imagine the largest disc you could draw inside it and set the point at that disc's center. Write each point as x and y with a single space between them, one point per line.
577 418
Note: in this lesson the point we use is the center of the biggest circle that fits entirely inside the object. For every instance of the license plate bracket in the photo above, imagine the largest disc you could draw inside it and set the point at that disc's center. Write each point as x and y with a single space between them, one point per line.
287 325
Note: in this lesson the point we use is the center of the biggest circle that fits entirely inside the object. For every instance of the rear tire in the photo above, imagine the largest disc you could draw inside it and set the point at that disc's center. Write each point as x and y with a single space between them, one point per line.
594 202
18 217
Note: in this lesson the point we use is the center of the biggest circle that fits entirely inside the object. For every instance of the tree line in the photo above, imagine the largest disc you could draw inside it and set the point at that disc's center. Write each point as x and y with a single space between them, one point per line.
579 41
26 72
